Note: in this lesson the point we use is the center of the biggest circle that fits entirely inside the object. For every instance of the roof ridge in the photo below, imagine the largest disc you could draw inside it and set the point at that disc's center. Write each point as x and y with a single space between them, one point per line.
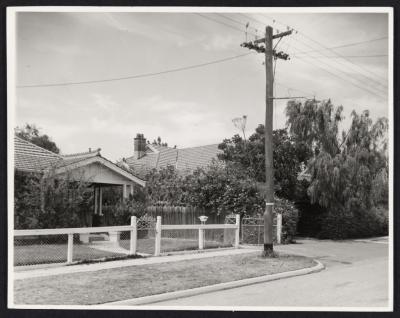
97 151
152 148
44 149
217 144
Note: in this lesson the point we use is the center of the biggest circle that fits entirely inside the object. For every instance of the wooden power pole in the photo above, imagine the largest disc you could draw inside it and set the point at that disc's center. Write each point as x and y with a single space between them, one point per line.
270 54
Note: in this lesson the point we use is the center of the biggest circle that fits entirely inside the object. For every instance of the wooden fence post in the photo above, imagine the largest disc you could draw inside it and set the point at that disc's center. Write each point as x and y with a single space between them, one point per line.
133 242
237 230
201 239
158 237
70 248
279 228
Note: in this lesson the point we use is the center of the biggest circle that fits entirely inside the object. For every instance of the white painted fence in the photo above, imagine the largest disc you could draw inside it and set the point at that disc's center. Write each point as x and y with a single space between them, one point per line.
115 231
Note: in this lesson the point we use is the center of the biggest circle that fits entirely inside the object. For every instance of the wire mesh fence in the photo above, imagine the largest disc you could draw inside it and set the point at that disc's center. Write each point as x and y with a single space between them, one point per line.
48 249
179 240
252 230
146 235
34 250
217 238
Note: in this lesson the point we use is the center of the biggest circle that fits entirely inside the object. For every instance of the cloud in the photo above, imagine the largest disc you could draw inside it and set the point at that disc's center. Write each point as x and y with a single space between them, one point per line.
220 43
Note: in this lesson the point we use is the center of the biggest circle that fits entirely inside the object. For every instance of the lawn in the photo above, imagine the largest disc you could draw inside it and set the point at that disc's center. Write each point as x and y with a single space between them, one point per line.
55 253
34 254
136 281
171 244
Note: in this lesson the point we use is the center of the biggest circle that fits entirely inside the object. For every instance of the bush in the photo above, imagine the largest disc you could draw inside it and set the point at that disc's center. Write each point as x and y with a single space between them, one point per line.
50 202
123 211
359 224
290 217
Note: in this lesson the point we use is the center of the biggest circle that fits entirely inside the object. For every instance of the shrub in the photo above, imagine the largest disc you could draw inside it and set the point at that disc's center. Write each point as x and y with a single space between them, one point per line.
359 224
290 217
50 202
124 210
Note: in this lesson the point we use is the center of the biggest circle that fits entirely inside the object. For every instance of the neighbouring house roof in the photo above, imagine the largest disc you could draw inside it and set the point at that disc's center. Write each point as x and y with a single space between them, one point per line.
32 158
184 160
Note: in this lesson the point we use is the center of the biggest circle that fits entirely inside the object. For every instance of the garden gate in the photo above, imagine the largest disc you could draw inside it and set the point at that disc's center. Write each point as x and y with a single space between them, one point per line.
253 229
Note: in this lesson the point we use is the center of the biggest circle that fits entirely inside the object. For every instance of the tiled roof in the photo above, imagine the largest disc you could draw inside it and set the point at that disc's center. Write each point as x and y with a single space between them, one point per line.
144 165
32 158
191 158
185 160
76 157
29 157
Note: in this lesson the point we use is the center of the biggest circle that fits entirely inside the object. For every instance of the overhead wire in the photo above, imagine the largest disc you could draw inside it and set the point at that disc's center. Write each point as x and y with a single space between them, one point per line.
341 63
220 22
330 66
301 42
179 69
336 57
344 45
324 46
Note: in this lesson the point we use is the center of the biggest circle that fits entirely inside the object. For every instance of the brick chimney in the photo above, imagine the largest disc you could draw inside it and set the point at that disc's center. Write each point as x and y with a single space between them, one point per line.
139 146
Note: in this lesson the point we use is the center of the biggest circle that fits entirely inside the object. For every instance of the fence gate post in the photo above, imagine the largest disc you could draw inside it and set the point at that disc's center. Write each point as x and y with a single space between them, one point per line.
201 239
70 248
279 228
237 230
133 242
158 237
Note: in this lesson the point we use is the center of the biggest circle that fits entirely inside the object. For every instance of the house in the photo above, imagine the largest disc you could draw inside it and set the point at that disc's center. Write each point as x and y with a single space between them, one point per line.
148 156
88 166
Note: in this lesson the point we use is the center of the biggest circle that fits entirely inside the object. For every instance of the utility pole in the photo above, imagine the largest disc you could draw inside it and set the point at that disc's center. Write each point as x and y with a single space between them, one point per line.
270 53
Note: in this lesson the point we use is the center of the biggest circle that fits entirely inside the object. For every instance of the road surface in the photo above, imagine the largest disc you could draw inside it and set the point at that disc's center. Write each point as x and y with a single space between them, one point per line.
356 275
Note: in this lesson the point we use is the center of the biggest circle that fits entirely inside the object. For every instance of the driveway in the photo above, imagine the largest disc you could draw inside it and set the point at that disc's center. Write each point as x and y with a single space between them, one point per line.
356 275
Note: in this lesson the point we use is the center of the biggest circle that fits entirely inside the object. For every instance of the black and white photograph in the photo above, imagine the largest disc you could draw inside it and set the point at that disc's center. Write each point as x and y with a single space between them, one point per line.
200 158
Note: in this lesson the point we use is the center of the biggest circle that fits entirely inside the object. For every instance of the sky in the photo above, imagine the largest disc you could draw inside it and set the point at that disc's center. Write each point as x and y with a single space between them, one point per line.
193 107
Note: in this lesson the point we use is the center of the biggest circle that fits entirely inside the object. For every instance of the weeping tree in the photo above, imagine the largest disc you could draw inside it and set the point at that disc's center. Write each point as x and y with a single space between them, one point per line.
348 170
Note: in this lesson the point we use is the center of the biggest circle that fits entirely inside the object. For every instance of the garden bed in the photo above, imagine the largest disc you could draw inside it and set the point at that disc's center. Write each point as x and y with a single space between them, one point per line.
109 285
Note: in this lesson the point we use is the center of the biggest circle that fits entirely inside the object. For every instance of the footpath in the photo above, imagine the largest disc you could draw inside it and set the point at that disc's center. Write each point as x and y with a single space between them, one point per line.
64 269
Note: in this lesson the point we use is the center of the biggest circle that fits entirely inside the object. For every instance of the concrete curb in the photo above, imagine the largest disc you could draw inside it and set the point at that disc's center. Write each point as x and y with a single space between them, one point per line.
217 287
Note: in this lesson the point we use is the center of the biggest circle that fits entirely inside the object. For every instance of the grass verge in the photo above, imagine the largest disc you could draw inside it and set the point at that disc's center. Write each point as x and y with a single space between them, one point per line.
136 281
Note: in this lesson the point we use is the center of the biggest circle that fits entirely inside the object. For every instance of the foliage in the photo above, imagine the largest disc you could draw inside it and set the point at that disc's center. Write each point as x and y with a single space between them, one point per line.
32 134
165 186
223 190
26 200
50 201
348 174
218 188
158 142
250 155
122 210
359 223
290 218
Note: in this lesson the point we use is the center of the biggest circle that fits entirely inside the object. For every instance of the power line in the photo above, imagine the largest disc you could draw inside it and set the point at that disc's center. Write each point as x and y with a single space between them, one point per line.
337 57
220 22
337 70
234 20
357 72
326 48
345 45
139 75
